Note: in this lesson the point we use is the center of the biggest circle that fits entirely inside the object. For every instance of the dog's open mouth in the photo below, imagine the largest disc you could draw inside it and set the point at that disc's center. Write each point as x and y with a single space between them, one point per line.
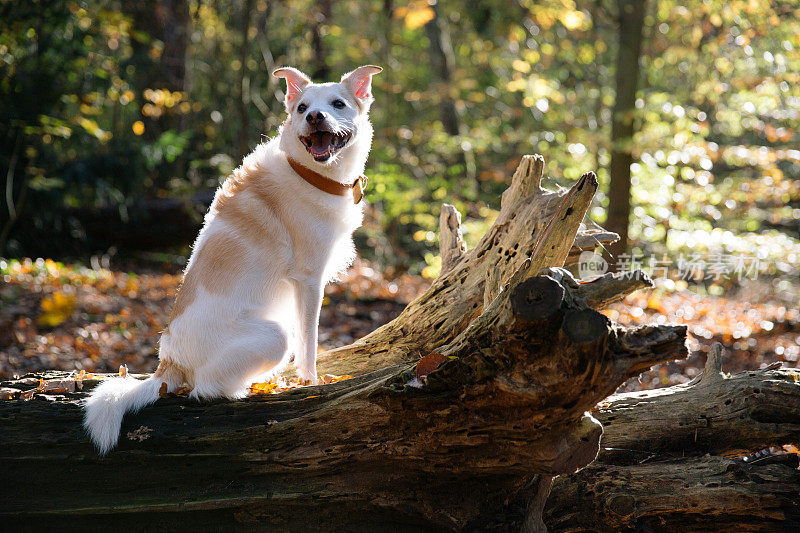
322 144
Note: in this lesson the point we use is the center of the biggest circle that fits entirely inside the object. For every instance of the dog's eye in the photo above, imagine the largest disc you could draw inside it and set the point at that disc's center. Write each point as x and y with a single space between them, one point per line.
302 108
338 104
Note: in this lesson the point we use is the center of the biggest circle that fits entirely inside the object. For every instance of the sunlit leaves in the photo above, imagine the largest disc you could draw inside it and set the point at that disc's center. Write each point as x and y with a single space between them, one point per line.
93 128
160 101
56 309
416 14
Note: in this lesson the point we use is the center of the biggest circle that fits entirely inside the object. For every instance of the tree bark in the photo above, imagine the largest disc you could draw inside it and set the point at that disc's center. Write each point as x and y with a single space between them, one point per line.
631 22
322 16
681 458
243 103
443 62
459 294
698 493
676 458
433 449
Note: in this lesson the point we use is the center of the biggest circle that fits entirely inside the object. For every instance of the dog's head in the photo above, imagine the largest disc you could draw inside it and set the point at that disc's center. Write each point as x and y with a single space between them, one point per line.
327 123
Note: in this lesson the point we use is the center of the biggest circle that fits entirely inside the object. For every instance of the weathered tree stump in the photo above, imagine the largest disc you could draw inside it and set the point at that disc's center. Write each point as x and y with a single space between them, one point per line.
526 356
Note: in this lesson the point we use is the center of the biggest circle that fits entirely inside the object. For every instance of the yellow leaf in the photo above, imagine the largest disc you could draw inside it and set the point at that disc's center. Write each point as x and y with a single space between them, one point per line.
654 302
263 388
418 14
56 309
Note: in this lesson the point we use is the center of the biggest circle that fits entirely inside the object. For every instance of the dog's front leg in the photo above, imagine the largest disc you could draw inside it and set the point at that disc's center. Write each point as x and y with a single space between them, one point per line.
309 293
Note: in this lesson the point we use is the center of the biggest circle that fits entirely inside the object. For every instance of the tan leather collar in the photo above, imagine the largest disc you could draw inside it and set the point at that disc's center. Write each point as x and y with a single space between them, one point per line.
328 185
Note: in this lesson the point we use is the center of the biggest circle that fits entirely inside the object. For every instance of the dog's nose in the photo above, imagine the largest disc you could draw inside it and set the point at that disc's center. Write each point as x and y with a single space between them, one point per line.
315 118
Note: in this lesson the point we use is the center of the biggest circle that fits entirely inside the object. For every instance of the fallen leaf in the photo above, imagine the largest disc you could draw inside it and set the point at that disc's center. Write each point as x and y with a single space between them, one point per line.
27 395
57 385
428 364
7 393
263 388
140 434
327 379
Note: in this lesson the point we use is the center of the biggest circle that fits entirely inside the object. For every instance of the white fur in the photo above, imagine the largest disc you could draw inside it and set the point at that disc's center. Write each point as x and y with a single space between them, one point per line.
227 341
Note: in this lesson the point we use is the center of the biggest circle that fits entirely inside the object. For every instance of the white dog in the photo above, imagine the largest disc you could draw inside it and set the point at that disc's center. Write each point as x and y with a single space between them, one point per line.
279 229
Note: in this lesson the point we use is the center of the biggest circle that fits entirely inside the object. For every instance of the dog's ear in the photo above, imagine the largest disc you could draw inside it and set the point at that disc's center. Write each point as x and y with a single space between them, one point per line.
296 81
360 81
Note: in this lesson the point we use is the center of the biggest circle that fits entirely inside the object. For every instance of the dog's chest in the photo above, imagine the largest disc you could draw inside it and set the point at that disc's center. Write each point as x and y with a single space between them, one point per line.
324 240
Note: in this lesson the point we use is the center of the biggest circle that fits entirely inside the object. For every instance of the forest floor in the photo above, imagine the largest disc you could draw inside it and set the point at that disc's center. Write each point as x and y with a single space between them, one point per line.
70 317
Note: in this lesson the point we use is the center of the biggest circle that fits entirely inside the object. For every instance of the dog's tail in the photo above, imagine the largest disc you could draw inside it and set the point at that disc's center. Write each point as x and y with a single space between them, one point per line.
109 402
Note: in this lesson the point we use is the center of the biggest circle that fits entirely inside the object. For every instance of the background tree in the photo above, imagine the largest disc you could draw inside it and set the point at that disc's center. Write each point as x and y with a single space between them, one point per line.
630 15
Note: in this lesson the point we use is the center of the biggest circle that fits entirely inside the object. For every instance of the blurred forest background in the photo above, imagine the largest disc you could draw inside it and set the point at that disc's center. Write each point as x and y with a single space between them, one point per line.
119 119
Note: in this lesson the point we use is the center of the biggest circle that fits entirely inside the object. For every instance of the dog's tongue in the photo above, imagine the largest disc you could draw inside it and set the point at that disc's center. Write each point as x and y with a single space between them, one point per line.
320 142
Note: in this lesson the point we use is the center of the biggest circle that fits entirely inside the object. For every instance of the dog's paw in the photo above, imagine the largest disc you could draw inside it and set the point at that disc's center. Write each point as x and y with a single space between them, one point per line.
307 377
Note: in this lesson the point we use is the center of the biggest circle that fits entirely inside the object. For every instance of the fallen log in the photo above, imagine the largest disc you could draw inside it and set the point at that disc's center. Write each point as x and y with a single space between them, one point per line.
370 451
502 418
524 357
655 471
698 493
378 449
715 413
681 458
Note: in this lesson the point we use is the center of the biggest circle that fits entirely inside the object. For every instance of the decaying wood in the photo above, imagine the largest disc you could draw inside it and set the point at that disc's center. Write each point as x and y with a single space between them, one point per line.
608 288
654 471
672 460
451 239
459 294
714 414
370 451
701 493
525 358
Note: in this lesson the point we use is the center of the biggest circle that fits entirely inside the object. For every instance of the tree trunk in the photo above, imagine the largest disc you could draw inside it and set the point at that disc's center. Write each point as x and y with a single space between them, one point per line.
322 16
168 22
367 452
243 103
443 62
631 22
471 279
652 473
660 481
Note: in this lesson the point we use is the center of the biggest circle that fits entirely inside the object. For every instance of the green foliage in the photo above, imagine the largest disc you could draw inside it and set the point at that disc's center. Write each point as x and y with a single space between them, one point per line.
107 105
